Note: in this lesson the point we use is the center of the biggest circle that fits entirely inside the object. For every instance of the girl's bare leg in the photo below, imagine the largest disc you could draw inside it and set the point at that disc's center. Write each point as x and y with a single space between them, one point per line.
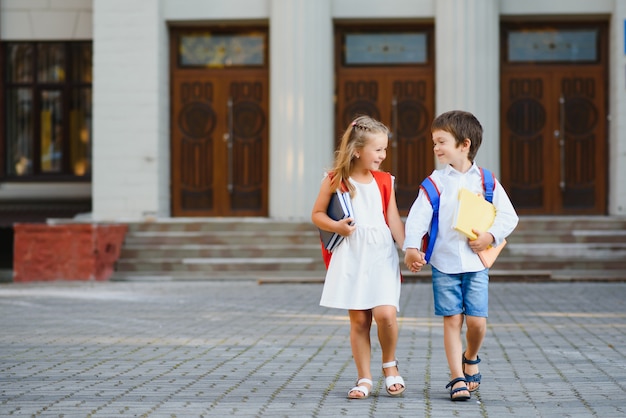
387 325
360 325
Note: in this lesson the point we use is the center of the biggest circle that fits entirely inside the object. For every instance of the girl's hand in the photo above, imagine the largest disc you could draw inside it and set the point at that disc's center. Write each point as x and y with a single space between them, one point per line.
345 227
414 259
482 242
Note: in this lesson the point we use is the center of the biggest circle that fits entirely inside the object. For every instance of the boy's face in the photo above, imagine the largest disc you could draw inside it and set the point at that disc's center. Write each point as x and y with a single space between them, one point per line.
447 151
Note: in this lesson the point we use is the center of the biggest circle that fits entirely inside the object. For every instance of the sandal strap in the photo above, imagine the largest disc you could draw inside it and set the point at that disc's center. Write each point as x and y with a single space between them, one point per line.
389 364
466 361
360 388
455 381
394 380
457 390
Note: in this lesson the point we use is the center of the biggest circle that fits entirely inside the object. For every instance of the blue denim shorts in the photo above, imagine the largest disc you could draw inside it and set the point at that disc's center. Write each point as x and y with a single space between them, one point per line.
463 293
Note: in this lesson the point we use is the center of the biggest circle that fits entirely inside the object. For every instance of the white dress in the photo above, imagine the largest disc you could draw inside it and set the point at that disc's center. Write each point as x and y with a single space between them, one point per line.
364 271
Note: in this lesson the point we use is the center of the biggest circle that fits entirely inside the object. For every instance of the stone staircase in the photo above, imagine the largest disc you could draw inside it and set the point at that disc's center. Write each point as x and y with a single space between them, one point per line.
541 248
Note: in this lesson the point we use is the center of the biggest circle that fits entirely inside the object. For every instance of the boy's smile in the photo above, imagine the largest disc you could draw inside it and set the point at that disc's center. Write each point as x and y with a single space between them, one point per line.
449 152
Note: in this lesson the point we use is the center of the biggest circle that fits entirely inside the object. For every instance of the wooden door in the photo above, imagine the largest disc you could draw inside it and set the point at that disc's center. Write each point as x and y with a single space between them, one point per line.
554 137
404 103
402 97
219 149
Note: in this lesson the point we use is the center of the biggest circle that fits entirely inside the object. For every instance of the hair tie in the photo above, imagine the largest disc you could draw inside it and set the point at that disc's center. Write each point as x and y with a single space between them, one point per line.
354 123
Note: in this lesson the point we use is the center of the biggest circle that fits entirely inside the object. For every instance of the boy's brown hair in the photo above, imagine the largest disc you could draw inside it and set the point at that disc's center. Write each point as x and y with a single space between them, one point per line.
461 125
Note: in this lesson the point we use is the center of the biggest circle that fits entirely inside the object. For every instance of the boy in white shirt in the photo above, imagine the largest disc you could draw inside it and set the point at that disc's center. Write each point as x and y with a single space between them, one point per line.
460 280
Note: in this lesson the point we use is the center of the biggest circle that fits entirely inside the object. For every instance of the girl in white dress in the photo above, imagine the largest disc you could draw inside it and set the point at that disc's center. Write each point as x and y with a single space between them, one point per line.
364 273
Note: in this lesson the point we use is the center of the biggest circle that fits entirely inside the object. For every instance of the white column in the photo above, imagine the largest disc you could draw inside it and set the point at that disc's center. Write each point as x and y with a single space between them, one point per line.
617 108
130 101
301 104
467 62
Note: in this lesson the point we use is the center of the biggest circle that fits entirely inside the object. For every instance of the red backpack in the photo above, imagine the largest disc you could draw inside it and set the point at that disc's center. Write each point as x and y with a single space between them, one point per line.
383 180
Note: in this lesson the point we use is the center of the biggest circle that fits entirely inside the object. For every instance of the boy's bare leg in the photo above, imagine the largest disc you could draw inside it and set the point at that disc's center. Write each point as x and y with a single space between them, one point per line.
475 335
387 325
360 325
454 348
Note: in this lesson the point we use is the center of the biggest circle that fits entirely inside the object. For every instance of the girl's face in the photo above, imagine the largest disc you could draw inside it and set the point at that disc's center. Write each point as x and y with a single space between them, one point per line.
447 151
371 156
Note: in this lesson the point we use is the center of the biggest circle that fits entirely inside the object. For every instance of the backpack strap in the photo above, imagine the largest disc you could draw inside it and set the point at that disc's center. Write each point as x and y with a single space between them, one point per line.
383 180
489 183
432 193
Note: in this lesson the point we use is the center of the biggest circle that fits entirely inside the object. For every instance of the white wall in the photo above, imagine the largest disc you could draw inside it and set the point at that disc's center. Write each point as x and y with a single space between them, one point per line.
43 20
301 104
131 130
467 68
386 9
617 106
214 10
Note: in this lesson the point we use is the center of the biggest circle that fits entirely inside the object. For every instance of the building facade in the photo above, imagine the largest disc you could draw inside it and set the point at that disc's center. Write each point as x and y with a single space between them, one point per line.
221 108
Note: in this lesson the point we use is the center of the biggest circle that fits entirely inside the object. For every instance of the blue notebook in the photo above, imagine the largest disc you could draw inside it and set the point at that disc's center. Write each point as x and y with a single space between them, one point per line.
340 207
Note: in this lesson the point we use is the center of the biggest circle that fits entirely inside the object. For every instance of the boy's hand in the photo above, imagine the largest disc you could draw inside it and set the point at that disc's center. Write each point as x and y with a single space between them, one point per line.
345 227
414 259
482 242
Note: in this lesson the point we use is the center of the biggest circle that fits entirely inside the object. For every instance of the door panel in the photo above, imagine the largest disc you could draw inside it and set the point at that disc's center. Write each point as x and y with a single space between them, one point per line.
553 150
402 100
582 115
219 143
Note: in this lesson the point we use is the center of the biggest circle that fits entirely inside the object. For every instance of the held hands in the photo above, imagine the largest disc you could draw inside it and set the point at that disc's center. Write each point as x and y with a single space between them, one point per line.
482 242
345 227
414 259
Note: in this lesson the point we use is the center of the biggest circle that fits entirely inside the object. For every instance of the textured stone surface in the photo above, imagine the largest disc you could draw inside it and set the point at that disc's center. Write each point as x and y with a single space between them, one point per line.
219 348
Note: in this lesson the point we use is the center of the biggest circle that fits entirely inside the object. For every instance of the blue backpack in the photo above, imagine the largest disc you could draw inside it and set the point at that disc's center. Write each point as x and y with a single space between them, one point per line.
432 193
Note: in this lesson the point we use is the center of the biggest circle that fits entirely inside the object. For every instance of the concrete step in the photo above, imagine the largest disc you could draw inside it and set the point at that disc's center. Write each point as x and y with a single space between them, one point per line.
196 249
181 251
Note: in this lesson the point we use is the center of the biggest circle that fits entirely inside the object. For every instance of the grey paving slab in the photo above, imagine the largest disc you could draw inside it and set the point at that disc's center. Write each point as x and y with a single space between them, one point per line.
218 348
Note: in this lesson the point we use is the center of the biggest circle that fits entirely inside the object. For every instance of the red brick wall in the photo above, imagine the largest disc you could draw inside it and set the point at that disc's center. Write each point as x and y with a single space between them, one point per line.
66 252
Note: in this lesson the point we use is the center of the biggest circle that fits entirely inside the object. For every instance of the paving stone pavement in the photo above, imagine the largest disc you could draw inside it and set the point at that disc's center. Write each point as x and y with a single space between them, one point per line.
237 348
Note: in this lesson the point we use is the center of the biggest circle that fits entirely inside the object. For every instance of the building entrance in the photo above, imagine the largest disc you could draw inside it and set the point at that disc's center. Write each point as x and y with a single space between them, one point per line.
553 121
219 123
388 74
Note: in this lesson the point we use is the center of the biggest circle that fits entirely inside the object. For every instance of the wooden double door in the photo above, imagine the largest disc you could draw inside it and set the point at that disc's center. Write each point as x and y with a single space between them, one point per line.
402 97
553 130
219 141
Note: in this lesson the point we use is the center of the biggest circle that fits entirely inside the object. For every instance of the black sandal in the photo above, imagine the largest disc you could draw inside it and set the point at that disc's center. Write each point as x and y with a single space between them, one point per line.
461 389
474 377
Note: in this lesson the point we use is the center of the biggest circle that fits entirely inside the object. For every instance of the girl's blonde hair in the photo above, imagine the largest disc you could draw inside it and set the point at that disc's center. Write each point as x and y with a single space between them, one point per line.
354 139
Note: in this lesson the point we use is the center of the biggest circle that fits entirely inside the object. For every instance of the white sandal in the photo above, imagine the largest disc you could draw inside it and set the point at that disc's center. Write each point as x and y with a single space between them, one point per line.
393 380
360 388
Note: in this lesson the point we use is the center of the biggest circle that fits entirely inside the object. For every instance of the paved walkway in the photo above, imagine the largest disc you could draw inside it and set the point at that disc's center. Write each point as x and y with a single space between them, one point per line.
205 349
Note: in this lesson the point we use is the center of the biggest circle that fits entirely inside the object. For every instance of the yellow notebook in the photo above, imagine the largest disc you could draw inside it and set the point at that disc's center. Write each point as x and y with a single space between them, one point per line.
474 212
